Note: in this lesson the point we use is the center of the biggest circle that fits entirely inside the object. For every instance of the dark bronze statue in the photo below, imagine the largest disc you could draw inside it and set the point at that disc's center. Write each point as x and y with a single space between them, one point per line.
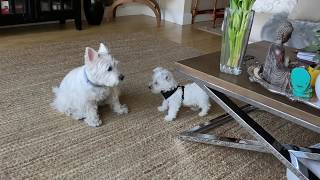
275 69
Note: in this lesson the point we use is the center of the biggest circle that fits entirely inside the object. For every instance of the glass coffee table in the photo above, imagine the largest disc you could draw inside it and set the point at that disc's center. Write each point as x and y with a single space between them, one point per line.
204 70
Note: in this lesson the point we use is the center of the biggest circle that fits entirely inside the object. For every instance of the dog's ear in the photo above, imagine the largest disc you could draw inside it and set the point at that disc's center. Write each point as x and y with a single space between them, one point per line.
103 49
157 69
90 55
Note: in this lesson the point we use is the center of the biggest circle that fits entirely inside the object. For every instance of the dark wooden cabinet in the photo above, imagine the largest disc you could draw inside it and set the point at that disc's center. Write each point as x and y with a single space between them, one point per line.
31 11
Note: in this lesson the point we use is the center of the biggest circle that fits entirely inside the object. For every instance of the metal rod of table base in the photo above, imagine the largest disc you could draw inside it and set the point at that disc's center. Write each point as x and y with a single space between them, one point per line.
221 120
265 141
196 134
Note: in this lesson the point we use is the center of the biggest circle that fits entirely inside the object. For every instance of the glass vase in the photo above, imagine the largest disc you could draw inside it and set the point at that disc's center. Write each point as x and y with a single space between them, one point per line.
236 31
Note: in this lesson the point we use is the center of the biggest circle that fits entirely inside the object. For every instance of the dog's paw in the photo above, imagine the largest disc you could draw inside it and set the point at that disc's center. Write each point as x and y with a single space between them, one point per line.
168 118
77 116
193 108
161 108
94 123
201 114
123 109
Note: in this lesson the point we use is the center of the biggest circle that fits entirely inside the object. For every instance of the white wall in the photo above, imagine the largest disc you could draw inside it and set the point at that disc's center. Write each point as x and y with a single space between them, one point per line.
176 11
131 9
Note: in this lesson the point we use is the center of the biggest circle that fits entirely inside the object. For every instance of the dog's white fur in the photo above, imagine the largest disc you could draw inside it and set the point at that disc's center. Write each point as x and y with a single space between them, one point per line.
79 99
194 96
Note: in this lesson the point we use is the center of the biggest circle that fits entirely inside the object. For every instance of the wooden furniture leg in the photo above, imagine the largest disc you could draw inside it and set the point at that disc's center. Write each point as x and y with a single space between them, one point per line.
214 16
217 12
152 4
194 9
77 14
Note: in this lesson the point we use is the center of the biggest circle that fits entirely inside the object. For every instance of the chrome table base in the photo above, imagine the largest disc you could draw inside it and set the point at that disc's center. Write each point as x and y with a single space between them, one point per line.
196 134
289 155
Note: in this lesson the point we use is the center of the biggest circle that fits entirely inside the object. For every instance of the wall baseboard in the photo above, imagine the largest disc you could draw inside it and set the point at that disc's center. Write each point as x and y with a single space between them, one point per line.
203 17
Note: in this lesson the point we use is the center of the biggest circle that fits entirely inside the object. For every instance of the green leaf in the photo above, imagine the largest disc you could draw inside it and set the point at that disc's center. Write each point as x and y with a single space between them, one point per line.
237 20
245 5
233 4
237 28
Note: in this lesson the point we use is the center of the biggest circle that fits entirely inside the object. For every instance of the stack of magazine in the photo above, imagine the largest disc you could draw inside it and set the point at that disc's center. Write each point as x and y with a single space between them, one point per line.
309 56
311 53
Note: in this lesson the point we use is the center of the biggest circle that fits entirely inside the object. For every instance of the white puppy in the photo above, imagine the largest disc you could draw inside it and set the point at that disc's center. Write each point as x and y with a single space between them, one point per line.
175 96
90 85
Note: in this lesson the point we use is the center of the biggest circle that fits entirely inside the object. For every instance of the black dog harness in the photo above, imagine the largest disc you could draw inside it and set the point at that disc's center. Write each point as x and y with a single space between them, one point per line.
167 94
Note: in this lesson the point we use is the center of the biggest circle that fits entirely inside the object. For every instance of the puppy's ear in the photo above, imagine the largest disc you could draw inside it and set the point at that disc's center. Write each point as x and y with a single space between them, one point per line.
103 49
90 55
157 69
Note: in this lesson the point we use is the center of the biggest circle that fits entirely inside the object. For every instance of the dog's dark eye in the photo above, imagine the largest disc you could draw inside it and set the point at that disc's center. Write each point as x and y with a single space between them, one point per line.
110 68
156 83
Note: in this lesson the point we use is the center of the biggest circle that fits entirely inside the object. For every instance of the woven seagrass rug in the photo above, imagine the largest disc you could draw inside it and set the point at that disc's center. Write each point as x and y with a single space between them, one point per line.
38 143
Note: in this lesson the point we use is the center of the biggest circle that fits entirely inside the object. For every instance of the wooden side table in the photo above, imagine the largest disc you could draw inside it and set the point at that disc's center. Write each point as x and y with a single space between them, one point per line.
152 4
216 11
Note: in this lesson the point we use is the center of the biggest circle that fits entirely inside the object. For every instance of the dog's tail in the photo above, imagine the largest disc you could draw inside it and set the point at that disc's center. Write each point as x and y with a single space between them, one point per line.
55 90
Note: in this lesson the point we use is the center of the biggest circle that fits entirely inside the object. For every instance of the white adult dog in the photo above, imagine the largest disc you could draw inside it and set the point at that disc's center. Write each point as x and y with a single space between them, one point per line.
190 95
86 87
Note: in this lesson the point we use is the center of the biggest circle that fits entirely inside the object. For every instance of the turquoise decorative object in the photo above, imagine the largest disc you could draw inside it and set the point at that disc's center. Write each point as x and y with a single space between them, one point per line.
301 83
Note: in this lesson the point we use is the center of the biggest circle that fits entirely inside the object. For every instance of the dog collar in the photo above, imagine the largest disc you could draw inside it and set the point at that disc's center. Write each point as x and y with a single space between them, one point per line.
89 81
167 94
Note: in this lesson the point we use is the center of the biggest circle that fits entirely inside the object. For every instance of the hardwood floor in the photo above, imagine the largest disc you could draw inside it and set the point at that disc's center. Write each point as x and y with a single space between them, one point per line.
186 35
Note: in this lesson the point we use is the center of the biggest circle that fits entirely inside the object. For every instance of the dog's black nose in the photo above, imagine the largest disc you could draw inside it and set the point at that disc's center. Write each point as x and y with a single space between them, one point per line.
150 87
121 77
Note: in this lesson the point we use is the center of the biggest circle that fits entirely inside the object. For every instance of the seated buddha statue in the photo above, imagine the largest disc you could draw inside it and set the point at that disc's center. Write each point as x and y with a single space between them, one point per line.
275 70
